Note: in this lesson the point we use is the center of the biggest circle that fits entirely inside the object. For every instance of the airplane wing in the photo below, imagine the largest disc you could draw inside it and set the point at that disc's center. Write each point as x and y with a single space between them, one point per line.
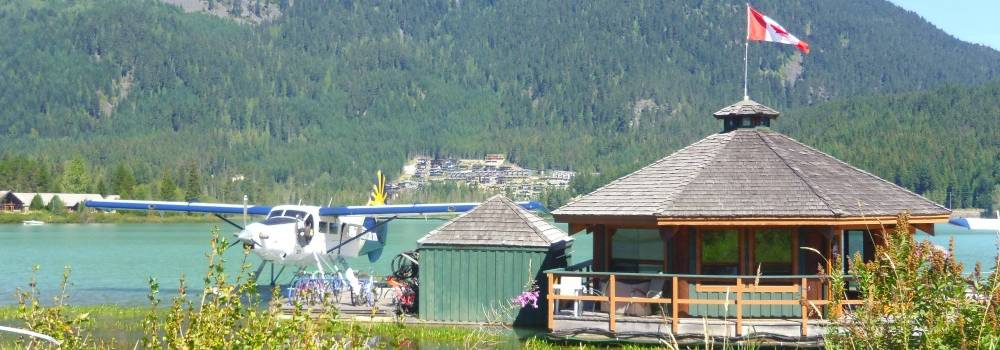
221 208
410 209
190 207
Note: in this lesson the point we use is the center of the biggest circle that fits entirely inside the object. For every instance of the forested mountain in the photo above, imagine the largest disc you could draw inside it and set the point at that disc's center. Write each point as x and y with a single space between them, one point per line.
310 104
944 144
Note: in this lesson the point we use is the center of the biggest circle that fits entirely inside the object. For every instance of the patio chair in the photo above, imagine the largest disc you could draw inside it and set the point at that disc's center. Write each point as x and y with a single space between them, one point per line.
571 286
655 291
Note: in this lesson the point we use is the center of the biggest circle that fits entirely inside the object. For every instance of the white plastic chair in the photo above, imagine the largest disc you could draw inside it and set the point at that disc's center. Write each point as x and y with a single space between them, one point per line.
571 285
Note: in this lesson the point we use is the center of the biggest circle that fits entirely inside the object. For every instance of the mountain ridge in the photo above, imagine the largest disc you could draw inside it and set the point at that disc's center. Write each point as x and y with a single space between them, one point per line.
314 101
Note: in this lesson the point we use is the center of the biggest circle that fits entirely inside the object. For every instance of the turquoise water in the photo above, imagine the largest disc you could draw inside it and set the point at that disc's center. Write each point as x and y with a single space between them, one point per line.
111 263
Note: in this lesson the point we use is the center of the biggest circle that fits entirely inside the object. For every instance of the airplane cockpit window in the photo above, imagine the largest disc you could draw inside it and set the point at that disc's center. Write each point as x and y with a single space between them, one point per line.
295 214
275 213
278 220
309 222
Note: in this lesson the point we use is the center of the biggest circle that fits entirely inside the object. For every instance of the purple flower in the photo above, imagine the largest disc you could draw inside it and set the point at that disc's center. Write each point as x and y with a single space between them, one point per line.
527 298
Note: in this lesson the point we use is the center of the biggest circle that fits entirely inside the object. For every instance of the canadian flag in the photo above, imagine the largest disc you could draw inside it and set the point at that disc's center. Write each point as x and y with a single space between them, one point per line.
763 28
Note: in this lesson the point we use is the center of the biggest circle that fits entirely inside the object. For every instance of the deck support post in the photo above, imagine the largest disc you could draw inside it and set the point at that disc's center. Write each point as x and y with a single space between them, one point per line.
674 306
611 303
550 322
739 307
804 300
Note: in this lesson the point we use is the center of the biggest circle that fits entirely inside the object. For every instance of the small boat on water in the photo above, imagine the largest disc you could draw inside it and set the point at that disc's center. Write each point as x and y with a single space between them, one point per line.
32 222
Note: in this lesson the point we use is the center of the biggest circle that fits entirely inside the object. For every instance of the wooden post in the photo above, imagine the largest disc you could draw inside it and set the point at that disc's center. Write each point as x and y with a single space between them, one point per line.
739 307
674 306
611 303
804 300
795 251
549 296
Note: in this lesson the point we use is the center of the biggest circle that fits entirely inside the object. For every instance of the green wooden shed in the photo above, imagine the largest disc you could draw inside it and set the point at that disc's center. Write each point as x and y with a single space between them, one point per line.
473 265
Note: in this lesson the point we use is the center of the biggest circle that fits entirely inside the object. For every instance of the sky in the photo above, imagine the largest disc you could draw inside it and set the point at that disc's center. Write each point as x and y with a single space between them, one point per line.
976 21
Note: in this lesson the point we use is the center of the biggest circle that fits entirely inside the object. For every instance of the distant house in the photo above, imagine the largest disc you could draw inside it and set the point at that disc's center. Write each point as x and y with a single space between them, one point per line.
20 201
494 160
3 204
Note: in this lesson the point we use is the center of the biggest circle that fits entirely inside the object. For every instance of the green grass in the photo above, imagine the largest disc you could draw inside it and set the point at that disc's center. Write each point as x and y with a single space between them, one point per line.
120 327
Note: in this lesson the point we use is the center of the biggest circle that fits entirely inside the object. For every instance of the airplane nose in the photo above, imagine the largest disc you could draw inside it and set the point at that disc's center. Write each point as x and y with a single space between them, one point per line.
244 236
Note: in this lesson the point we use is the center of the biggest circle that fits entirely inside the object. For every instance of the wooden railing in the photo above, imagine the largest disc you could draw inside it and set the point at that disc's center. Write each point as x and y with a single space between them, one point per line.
736 286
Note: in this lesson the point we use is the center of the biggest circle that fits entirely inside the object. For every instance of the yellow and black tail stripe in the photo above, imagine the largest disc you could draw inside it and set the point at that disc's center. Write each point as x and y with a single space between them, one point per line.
378 196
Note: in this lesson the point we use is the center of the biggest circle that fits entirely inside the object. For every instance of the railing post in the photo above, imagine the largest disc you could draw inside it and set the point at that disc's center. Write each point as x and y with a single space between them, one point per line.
739 307
550 321
674 306
804 300
611 303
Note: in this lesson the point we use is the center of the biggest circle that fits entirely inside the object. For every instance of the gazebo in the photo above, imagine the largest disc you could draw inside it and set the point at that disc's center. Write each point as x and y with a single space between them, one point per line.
740 225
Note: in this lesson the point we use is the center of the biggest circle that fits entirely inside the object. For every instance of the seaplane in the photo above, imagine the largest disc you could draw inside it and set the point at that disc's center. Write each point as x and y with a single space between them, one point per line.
308 235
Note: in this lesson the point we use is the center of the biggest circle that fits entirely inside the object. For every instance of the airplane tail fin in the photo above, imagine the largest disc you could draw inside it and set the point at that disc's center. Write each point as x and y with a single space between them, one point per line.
378 196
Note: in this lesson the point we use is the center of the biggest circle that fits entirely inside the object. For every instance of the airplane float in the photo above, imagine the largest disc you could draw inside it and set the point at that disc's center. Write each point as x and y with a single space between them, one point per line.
308 235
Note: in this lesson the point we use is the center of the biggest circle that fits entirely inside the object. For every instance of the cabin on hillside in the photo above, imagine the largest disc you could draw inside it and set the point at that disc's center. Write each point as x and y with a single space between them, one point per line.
737 229
21 201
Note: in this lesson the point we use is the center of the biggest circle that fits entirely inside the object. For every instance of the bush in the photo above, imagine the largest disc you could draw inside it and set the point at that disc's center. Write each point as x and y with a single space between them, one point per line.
36 203
916 297
56 205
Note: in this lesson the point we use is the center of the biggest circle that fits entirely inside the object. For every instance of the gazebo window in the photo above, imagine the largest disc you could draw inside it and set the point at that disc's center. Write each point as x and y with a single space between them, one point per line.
637 250
720 252
857 242
773 251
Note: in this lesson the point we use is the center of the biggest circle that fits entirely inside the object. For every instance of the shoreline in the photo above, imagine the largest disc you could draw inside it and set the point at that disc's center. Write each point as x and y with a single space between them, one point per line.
107 218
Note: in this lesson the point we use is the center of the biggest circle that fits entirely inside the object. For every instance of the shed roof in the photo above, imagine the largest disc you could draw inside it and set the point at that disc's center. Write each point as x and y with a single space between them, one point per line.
496 222
749 173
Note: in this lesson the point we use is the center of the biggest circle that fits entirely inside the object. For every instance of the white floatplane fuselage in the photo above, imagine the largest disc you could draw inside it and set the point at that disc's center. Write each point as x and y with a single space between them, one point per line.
299 235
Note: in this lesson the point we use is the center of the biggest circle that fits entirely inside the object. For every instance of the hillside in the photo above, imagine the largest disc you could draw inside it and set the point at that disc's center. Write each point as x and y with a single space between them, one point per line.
944 144
310 104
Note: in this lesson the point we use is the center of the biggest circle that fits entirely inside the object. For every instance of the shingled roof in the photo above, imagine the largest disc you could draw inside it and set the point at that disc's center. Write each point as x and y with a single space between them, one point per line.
746 107
749 173
496 222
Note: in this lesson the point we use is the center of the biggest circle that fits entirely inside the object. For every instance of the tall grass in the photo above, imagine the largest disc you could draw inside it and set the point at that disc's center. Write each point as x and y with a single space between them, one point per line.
917 297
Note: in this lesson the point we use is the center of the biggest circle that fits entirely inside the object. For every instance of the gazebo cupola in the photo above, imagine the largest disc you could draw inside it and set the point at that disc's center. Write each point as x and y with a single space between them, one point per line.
745 114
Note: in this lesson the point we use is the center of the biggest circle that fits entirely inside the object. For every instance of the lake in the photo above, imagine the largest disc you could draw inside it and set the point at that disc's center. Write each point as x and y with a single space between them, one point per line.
111 263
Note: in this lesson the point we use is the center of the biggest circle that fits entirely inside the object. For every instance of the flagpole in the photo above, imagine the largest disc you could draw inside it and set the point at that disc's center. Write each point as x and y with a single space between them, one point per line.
746 54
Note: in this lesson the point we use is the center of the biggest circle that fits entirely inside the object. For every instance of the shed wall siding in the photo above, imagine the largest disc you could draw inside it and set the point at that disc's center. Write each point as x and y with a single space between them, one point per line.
463 285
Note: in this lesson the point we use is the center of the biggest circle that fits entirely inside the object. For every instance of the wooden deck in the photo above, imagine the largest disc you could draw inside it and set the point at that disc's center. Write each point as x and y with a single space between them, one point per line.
774 309
594 326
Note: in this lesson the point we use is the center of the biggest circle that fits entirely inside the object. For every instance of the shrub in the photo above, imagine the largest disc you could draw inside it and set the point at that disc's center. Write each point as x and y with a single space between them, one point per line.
916 297
56 205
36 203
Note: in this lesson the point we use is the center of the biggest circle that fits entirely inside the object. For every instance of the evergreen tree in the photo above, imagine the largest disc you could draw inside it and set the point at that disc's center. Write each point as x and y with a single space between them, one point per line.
56 205
237 8
192 188
75 178
168 189
123 181
36 203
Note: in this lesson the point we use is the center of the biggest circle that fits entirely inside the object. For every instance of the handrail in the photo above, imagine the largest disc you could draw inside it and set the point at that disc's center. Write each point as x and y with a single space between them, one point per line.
30 334
801 283
577 266
565 272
